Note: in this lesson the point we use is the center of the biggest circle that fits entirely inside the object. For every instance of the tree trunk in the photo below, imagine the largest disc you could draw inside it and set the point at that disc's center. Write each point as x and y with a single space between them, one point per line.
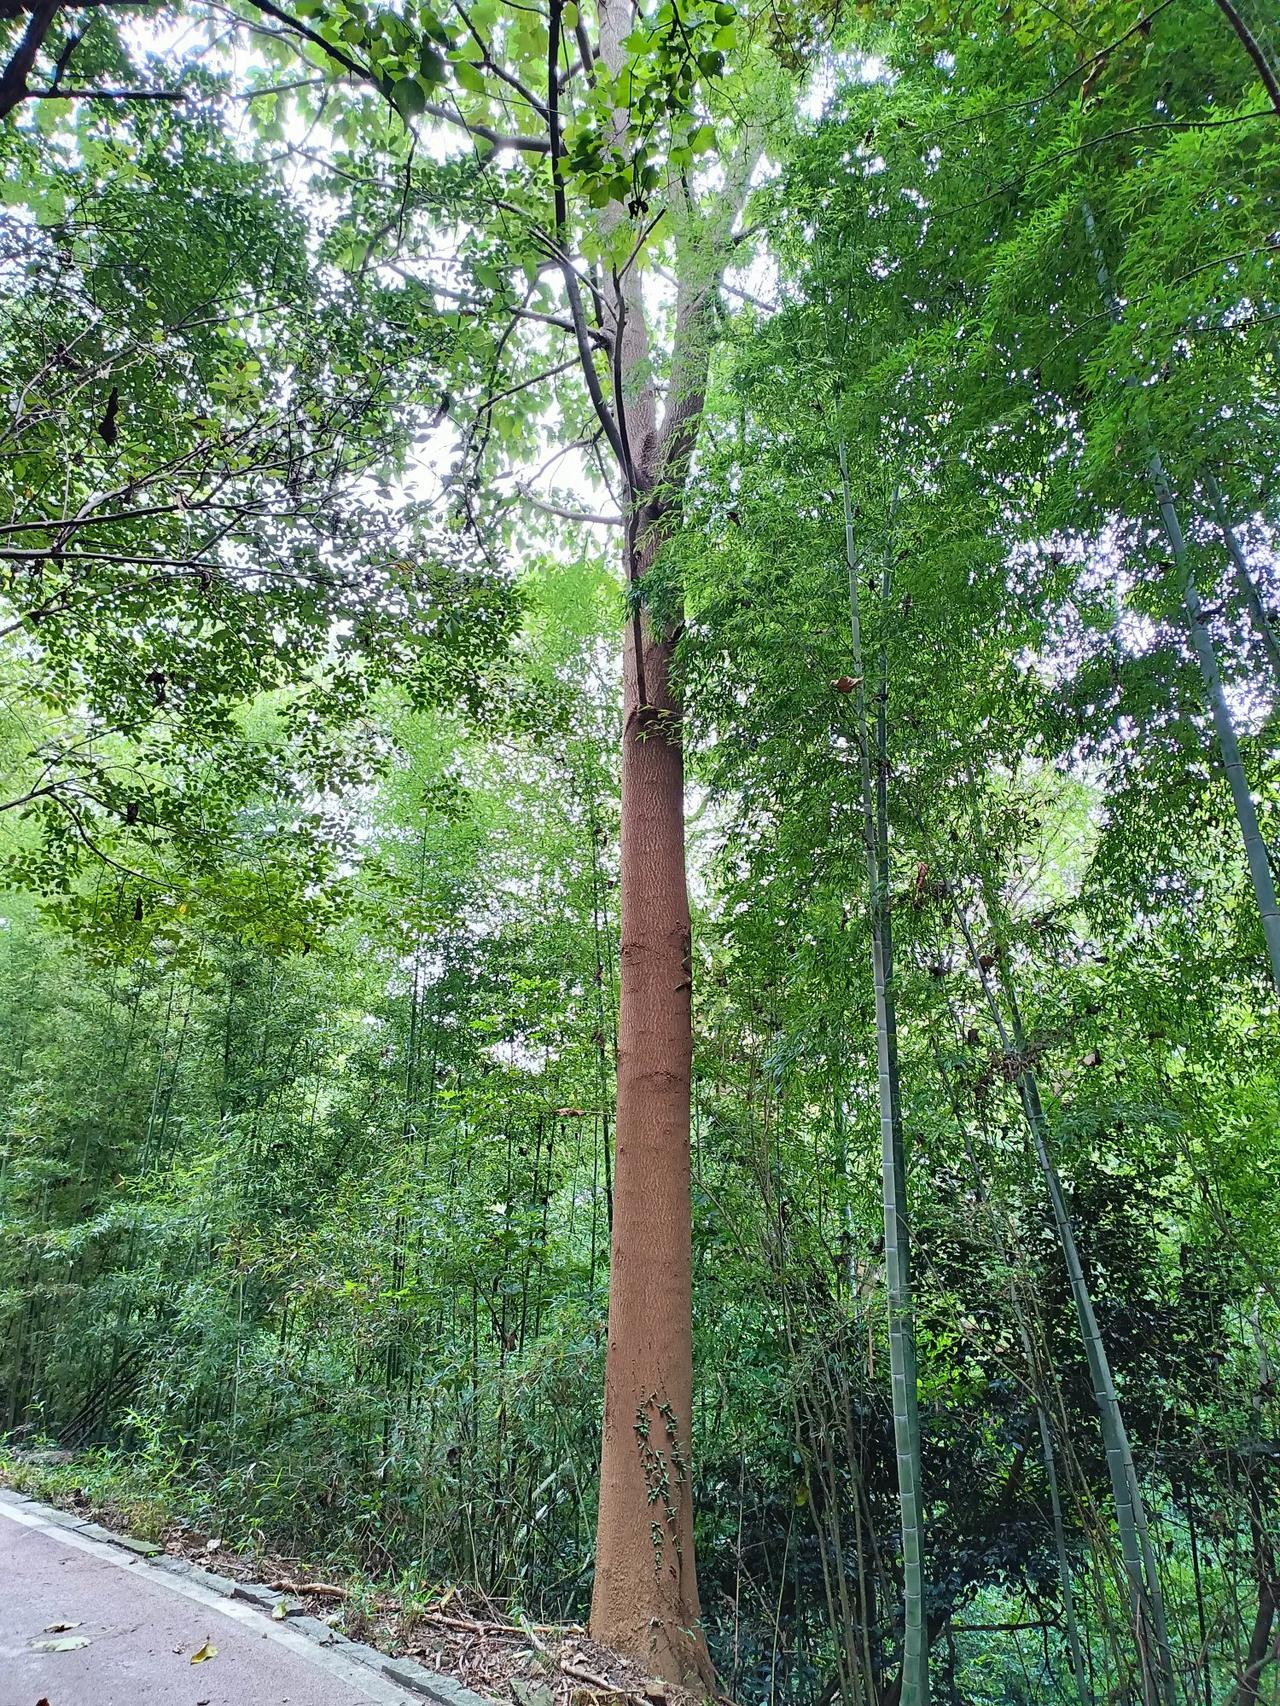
1259 1638
645 1598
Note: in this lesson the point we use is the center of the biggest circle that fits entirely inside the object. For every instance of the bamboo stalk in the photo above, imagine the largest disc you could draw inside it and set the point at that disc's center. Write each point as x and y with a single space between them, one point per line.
1043 1424
902 1354
1246 812
1147 1601
1244 578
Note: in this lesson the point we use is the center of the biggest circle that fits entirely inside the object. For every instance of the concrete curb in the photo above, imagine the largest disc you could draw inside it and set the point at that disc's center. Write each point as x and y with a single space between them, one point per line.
250 1600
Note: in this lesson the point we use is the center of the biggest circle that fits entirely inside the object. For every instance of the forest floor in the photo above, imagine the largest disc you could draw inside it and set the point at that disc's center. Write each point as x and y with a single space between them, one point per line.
460 1634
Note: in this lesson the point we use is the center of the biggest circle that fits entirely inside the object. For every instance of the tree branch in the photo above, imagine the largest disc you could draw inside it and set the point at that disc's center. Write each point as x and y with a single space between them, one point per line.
568 514
55 94
84 836
526 94
499 139
521 385
579 318
55 555
13 84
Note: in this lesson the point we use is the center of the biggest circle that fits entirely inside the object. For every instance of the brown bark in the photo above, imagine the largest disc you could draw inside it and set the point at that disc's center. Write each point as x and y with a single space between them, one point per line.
645 1600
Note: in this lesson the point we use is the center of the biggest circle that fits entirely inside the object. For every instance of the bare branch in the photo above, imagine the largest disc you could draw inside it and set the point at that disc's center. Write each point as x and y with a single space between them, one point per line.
499 139
280 89
525 385
579 318
568 514
55 94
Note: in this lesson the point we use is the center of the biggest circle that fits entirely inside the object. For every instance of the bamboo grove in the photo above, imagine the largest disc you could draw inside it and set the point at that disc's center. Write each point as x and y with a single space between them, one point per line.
639 951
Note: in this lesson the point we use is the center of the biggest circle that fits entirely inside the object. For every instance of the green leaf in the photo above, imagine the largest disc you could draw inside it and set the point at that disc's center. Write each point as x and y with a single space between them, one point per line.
50 114
408 97
470 76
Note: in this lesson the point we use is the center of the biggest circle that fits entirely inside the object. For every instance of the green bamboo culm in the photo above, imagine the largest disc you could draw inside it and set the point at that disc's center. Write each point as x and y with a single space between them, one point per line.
897 1240
1070 1627
1150 1628
1255 847
1248 587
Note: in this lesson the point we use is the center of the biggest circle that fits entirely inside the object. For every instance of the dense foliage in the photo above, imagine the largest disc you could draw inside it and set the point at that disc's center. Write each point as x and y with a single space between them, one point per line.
964 318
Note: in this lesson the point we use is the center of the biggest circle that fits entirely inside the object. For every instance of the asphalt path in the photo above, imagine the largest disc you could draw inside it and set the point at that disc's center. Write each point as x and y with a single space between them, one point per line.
132 1632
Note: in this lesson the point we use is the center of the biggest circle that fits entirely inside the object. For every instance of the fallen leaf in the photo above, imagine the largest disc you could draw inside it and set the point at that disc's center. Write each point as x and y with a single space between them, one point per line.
208 1651
57 1628
212 1545
63 1644
279 1611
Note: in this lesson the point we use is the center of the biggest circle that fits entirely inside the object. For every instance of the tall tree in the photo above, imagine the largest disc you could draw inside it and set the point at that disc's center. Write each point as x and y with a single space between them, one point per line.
605 115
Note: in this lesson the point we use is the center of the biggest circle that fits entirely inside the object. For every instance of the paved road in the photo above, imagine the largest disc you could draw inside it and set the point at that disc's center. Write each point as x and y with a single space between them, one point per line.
142 1629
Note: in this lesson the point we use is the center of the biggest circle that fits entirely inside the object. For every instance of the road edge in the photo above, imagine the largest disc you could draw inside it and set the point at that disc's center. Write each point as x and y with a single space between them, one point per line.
386 1679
